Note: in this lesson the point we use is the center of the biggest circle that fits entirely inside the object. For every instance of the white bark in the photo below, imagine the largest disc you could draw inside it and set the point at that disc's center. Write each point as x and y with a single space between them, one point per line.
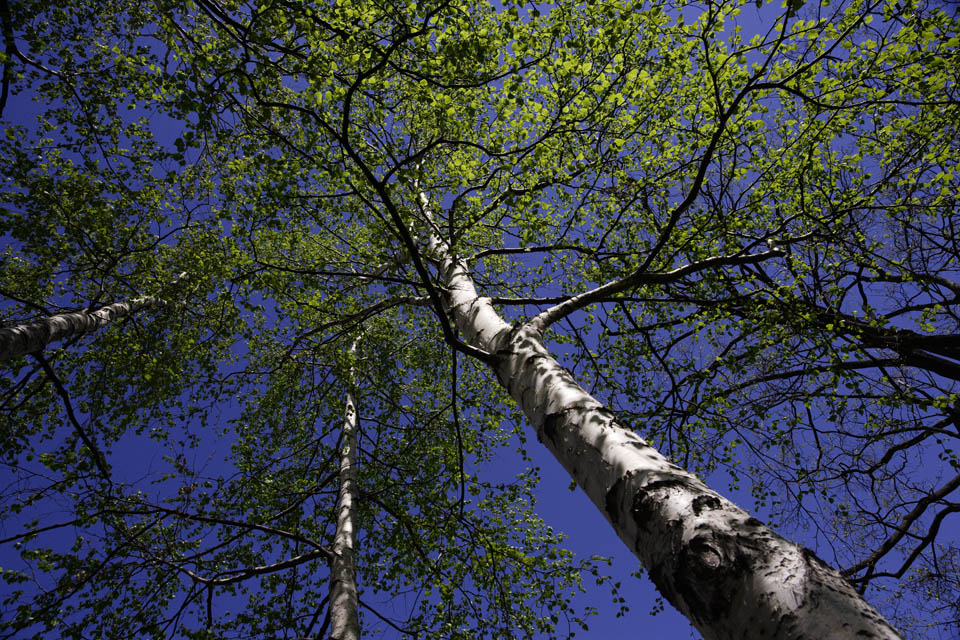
344 619
732 576
29 338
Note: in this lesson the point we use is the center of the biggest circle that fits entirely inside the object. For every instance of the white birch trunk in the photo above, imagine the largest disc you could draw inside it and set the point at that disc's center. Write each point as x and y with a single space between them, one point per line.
344 619
29 338
728 573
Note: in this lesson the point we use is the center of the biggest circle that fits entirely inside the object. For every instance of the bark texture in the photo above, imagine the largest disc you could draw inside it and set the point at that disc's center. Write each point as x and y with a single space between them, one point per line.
732 576
344 619
29 338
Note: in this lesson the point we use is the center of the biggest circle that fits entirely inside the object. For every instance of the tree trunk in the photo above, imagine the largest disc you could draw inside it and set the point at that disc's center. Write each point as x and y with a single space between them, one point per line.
729 574
29 338
344 620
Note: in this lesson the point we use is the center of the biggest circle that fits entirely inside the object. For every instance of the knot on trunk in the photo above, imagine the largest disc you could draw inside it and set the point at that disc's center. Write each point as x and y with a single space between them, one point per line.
708 574
703 558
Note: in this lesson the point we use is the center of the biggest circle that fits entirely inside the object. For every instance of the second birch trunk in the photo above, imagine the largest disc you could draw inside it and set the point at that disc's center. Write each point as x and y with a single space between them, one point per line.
30 338
344 617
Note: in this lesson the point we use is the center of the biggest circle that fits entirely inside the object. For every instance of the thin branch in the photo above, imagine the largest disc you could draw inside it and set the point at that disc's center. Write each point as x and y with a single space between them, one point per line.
98 459
249 572
226 522
34 532
533 249
704 163
903 528
806 371
639 278
408 632
316 616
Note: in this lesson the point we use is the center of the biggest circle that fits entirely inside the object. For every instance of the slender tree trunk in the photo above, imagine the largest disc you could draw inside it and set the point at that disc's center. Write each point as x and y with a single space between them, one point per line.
29 338
732 576
344 620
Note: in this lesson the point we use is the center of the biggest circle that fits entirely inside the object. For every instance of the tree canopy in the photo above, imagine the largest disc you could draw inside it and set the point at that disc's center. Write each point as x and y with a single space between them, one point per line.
732 223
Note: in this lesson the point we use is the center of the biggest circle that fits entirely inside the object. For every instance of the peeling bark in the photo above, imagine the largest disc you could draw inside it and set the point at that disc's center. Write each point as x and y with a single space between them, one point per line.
732 576
29 338
344 619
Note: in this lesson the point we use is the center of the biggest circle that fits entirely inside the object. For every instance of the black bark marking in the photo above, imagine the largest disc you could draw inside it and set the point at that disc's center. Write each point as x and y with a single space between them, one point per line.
613 500
705 502
551 423
706 573
708 576
646 501
813 558
550 426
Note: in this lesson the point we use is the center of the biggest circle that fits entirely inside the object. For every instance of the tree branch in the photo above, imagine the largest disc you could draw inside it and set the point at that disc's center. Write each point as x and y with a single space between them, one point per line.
903 528
98 459
640 278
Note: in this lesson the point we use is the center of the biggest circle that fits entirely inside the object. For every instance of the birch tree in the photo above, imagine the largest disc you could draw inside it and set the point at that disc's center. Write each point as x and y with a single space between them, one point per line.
671 201
28 338
344 617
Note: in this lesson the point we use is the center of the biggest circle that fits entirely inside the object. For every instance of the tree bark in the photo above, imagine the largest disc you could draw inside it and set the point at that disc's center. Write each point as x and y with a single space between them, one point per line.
344 619
29 338
729 574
